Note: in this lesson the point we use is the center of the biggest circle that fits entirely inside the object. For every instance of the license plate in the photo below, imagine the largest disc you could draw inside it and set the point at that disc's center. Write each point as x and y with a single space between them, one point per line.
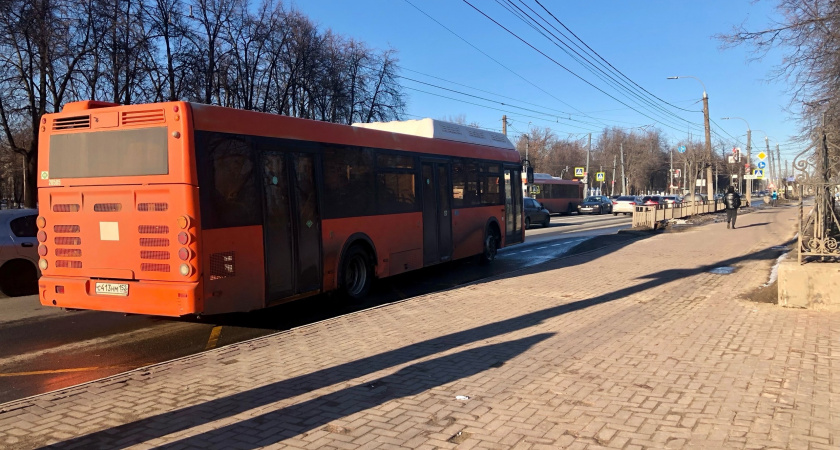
120 289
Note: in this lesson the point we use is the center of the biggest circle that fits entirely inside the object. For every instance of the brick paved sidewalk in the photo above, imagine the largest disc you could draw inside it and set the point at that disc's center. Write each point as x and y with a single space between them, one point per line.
627 347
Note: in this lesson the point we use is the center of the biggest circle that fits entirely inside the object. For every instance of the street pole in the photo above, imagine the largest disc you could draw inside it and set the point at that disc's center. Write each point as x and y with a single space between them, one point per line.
779 171
612 191
709 187
504 125
671 173
623 179
601 188
588 175
770 168
684 176
749 161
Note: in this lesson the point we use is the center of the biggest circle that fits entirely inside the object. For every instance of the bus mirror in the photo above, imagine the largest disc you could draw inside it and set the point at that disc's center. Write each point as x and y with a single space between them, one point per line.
530 176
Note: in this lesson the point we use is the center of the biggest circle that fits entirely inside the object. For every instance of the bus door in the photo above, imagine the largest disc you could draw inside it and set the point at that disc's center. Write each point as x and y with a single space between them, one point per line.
292 225
437 215
513 206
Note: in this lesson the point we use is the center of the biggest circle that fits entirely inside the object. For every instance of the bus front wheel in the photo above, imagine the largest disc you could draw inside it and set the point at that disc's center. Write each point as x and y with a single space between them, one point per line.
356 273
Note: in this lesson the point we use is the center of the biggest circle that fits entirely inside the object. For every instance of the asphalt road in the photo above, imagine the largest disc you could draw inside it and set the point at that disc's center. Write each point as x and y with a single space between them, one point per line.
43 349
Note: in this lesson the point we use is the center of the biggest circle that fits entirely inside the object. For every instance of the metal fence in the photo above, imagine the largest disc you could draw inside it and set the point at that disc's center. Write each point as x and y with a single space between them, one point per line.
649 216
818 174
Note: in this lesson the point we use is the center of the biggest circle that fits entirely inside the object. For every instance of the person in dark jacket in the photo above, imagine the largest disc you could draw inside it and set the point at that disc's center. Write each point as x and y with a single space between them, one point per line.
732 201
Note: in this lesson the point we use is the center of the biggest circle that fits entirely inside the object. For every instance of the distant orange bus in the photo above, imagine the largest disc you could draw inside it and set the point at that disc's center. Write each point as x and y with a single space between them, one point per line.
177 208
558 196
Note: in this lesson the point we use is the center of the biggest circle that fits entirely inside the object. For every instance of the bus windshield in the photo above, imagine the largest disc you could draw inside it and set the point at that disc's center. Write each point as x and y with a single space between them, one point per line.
109 154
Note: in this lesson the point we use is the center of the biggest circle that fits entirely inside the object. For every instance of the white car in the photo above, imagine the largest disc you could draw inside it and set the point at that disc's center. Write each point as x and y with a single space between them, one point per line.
625 204
18 252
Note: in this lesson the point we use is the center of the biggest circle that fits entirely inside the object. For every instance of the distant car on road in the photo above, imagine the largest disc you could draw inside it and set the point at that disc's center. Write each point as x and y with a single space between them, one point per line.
671 201
625 204
595 204
18 252
536 213
651 200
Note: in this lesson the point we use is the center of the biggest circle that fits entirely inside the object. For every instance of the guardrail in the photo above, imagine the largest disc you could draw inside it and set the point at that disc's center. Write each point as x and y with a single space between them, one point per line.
649 216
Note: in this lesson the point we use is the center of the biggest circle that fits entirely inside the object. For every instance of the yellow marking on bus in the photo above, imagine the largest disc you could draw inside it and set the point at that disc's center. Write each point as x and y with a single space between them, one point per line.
214 338
46 372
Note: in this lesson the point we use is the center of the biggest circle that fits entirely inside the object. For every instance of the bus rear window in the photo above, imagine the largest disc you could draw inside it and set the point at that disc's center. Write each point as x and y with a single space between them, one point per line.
109 153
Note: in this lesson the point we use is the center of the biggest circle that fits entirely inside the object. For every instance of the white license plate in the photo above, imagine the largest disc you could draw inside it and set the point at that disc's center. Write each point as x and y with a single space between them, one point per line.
120 289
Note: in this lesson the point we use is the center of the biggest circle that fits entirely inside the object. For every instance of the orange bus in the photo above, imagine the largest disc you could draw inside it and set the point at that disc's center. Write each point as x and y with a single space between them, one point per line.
559 196
178 208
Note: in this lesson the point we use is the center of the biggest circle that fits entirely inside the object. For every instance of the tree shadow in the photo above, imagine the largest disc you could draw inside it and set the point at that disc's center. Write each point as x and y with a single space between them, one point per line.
188 417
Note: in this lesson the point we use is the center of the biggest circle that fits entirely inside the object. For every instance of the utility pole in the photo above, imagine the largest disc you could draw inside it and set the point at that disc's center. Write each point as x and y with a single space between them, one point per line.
588 175
685 176
623 177
504 125
671 173
779 169
612 191
601 188
767 144
749 164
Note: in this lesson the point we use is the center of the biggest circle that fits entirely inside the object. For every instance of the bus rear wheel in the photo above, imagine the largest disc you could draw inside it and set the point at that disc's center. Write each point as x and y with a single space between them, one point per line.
356 273
491 246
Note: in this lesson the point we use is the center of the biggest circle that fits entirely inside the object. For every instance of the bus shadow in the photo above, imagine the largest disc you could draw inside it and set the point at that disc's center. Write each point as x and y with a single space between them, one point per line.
307 414
428 280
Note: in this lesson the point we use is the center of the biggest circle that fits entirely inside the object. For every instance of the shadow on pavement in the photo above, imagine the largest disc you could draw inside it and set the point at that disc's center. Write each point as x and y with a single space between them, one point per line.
752 225
188 417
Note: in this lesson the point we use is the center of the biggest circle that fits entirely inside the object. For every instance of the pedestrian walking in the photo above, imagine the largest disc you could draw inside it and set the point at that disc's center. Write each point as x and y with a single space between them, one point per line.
732 201
773 197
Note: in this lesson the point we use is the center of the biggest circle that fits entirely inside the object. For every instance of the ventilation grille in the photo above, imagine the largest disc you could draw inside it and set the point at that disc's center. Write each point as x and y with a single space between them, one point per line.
222 265
149 267
68 264
66 228
68 241
153 229
68 252
66 207
154 242
160 256
107 207
152 206
142 117
70 123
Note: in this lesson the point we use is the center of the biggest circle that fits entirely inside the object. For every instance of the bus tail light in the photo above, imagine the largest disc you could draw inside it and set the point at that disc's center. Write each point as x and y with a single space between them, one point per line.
42 236
59 289
184 238
184 222
43 264
41 222
42 250
185 269
184 254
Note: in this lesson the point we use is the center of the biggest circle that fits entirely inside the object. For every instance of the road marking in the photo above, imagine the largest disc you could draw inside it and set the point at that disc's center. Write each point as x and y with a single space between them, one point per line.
46 372
214 338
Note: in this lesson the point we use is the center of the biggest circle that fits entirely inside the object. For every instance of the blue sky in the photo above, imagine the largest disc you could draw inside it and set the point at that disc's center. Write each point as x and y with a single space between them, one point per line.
646 40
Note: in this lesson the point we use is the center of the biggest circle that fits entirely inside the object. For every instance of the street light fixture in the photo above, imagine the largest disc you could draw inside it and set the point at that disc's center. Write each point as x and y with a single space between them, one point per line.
748 185
710 190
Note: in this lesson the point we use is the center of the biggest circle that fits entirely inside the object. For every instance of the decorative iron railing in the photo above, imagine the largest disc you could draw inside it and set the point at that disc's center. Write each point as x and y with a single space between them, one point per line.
817 170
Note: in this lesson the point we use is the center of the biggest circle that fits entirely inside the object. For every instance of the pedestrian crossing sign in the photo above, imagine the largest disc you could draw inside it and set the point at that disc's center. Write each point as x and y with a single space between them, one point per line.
599 176
759 173
579 171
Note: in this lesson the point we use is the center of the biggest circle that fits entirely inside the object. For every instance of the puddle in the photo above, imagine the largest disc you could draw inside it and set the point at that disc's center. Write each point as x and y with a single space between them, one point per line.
725 270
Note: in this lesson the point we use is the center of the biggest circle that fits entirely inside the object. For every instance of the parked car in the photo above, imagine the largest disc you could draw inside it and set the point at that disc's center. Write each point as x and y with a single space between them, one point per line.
536 213
651 200
18 252
695 198
595 204
625 204
671 201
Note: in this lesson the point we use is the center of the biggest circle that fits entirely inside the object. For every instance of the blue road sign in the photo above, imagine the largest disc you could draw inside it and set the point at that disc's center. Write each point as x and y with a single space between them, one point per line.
762 164
759 173
681 149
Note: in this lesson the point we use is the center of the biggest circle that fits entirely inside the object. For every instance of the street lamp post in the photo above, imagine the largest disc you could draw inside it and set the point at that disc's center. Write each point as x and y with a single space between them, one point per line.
748 185
710 190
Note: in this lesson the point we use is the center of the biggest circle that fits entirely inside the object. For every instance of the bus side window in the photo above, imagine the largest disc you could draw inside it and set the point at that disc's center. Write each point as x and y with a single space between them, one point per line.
395 184
226 170
349 181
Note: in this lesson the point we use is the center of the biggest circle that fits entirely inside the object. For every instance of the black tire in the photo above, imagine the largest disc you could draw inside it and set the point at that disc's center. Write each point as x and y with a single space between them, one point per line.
547 221
491 246
356 273
527 223
19 277
615 214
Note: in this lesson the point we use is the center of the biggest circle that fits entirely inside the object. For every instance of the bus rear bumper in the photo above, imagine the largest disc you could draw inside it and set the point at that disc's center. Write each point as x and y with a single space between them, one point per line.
159 298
